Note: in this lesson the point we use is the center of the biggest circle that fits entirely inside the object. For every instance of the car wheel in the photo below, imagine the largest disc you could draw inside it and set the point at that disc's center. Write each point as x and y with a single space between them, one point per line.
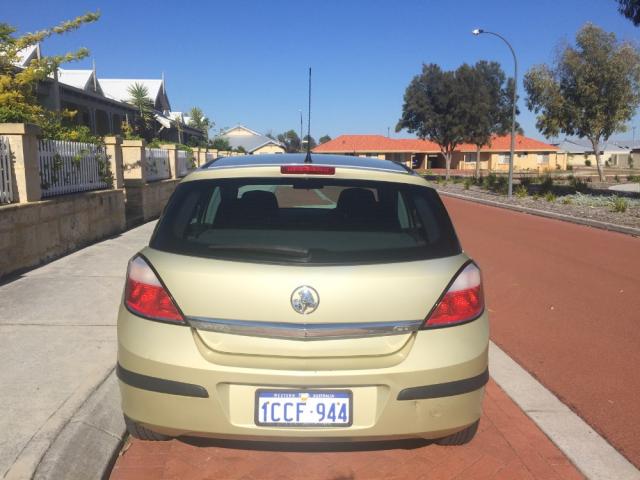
461 437
142 433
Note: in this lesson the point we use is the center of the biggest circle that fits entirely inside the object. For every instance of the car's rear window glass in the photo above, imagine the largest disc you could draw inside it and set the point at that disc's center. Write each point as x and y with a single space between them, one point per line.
312 221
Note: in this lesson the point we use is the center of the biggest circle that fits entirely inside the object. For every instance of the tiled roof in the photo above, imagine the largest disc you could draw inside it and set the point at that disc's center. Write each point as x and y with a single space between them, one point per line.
503 144
380 143
375 143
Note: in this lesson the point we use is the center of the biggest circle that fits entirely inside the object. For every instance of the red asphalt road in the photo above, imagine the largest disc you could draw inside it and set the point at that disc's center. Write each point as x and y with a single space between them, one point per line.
564 302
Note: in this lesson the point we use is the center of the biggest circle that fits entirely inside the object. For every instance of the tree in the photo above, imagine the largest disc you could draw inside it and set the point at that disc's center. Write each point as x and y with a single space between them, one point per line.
432 110
199 121
630 9
220 143
324 139
487 98
291 141
177 122
18 100
310 140
591 91
144 122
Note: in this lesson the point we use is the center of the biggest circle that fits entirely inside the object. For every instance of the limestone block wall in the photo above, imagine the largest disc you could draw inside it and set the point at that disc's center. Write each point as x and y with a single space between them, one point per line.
36 232
145 201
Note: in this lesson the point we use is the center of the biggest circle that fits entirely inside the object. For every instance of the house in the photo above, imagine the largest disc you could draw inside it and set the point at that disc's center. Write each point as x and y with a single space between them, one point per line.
614 153
531 154
102 104
251 141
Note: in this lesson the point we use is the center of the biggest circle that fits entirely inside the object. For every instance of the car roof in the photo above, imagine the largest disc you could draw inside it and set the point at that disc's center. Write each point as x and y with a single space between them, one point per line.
347 161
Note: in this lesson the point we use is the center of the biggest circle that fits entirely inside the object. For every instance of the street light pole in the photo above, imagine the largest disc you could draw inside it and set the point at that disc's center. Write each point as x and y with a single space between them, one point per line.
478 31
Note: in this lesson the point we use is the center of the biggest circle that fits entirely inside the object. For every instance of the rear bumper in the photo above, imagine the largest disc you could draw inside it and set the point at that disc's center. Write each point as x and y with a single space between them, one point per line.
167 385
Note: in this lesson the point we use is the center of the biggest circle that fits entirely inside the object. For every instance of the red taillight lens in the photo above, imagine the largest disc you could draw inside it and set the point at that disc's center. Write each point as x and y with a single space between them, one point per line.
463 300
145 296
307 170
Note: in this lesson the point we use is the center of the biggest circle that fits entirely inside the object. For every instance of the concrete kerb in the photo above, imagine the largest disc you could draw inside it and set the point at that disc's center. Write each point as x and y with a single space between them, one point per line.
588 451
543 213
89 443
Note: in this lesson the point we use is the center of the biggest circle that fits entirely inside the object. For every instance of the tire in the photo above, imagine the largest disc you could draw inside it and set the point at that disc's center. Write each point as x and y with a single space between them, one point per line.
461 437
142 433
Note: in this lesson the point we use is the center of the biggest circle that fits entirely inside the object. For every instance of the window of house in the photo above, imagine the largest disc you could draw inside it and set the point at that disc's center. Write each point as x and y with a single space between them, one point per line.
470 157
543 158
503 158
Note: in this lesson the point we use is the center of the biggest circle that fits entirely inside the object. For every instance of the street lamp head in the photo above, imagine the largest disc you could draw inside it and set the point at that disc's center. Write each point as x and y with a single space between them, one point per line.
477 31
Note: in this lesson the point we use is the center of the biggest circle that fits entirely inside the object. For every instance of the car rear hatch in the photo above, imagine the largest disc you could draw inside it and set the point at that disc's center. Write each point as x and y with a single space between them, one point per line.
368 310
304 268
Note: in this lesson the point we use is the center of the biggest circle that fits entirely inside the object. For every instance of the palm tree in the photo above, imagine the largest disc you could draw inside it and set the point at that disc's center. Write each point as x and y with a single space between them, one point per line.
139 97
200 121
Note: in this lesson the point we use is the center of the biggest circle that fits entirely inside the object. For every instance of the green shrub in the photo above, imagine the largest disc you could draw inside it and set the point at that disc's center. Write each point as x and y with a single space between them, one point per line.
567 201
587 163
619 204
521 191
467 183
501 185
546 184
488 181
550 197
525 181
578 184
633 178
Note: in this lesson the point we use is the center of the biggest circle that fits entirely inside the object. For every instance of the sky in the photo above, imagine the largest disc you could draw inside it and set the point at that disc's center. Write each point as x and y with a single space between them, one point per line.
246 62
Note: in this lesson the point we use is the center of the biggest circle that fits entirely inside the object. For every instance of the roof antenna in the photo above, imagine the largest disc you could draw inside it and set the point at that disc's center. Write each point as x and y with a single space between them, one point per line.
307 159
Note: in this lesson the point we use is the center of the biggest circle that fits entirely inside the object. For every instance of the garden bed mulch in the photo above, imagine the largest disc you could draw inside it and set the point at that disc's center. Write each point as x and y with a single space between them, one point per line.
586 206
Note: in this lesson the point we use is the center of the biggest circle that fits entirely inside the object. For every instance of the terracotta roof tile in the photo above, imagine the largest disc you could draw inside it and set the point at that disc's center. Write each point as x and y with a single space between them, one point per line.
380 143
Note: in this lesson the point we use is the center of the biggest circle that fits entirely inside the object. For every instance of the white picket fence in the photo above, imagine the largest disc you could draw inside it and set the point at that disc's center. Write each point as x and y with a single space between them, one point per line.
6 187
71 167
157 164
185 162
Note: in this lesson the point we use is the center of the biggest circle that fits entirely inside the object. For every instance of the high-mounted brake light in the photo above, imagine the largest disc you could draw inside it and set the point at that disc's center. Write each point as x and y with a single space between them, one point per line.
146 296
463 300
307 170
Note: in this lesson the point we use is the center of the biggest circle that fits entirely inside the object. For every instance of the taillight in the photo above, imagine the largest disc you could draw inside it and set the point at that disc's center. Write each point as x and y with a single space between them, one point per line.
145 295
307 170
463 301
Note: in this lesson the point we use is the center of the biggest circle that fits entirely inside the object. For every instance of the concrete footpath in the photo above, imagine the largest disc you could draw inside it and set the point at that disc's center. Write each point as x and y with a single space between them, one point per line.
57 346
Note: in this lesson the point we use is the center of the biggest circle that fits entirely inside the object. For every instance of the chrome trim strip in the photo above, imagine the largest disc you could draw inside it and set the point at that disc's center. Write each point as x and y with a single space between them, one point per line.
304 331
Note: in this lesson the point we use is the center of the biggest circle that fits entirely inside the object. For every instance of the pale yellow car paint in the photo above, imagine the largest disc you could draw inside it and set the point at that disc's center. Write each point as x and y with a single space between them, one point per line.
231 367
168 351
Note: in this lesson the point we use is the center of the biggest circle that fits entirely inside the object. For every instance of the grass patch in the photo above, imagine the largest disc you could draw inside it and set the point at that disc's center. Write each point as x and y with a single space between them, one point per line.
521 191
619 204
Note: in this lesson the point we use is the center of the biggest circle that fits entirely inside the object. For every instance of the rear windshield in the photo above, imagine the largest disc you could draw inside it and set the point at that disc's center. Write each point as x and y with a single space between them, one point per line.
310 221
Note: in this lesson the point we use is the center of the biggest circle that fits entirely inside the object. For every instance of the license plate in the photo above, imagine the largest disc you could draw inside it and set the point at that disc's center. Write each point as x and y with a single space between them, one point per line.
303 408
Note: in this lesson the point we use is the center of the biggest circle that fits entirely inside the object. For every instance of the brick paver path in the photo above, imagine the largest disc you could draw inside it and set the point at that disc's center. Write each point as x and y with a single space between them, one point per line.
508 446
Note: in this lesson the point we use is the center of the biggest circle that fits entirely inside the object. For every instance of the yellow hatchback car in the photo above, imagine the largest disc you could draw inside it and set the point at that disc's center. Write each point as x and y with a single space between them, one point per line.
318 298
